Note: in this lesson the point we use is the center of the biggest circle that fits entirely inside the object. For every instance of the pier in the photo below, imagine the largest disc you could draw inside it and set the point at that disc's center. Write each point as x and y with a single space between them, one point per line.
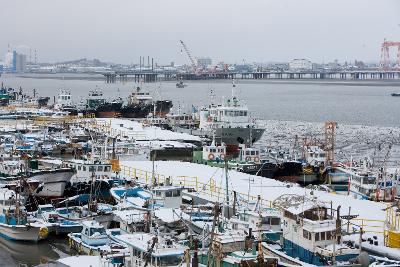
153 76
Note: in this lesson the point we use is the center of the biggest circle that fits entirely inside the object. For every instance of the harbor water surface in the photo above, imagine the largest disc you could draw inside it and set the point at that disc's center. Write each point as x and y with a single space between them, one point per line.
348 102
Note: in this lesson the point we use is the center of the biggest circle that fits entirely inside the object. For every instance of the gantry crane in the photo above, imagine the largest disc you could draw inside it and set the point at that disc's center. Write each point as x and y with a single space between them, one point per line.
192 59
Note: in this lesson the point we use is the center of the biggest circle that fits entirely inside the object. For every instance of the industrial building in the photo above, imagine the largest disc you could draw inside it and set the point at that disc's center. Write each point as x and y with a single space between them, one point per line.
300 64
203 62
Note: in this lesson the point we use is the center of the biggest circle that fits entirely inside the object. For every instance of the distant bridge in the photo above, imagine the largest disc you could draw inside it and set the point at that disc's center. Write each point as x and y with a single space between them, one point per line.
154 76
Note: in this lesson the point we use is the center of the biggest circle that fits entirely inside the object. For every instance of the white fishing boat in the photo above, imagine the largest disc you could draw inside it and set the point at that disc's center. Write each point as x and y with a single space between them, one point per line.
152 250
93 240
59 225
14 224
311 234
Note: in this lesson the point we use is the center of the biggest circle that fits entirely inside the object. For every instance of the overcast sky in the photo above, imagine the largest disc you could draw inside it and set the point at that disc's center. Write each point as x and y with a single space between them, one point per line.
226 30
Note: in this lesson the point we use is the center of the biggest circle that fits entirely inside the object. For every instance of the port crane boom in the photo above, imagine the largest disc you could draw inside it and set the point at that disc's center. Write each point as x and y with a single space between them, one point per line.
192 59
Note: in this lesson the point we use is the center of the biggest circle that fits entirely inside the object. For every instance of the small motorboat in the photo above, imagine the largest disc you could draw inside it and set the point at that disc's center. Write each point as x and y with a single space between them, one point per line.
395 94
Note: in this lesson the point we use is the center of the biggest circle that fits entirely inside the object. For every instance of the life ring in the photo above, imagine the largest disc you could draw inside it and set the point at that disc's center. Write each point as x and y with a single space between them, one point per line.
248 158
256 159
211 156
222 156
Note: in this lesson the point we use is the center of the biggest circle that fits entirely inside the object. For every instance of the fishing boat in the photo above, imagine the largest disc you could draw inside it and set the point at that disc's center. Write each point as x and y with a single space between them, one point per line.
64 103
180 84
14 224
152 250
93 240
311 234
267 220
136 197
59 225
53 181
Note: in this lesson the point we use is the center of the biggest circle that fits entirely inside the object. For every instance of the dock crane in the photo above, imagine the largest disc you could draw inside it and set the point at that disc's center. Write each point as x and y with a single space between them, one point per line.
192 59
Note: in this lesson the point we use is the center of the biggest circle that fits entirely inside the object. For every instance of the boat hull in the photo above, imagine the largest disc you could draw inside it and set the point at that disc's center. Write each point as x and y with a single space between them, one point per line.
54 181
231 137
22 232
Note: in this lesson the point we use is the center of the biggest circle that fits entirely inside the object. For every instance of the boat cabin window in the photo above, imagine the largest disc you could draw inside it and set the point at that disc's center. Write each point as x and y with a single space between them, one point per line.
107 168
168 194
84 168
316 236
158 193
271 221
170 261
100 168
306 234
97 230
322 236
176 193
92 169
79 167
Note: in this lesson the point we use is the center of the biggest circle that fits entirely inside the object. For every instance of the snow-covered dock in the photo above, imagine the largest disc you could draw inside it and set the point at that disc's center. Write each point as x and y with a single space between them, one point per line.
202 176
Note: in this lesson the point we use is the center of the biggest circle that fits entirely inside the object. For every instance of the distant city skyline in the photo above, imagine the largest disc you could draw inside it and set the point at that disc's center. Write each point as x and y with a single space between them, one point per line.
230 31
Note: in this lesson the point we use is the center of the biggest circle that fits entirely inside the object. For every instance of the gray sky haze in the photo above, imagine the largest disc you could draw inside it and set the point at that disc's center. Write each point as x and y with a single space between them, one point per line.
227 30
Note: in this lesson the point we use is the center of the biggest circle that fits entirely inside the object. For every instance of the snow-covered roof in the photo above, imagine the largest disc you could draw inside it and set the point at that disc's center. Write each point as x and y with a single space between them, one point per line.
143 241
298 209
169 215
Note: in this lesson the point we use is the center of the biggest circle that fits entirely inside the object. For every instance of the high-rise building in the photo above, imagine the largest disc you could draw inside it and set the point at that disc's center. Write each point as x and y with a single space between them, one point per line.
203 62
18 62
8 60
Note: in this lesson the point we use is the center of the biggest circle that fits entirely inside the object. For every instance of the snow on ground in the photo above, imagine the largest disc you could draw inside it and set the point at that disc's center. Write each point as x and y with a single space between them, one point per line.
135 128
81 261
355 141
269 189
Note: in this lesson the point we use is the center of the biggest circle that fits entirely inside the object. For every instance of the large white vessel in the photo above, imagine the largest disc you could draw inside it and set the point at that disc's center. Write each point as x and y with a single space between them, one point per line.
230 122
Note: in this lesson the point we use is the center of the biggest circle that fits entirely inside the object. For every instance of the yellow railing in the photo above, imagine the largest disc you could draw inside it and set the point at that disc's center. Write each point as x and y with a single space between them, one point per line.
210 189
368 225
64 119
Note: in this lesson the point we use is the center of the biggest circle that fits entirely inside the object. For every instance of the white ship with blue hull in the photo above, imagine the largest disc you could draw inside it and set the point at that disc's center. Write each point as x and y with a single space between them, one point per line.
313 236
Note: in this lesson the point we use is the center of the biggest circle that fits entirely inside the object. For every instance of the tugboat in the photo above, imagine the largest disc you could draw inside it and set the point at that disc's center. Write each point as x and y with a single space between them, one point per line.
64 103
180 84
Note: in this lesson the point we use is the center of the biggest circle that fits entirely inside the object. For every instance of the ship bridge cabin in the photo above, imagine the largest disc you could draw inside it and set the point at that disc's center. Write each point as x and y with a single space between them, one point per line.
139 97
249 154
85 170
309 231
231 114
167 196
314 156
214 152
64 99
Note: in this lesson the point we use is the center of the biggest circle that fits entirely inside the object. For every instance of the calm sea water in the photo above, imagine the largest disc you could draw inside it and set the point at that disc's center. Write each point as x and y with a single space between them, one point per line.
366 102
350 102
